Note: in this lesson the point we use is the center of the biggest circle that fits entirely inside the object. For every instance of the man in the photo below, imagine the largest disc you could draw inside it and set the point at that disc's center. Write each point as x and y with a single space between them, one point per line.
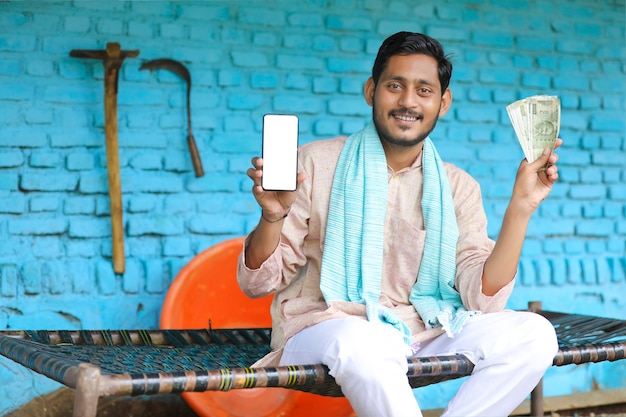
382 252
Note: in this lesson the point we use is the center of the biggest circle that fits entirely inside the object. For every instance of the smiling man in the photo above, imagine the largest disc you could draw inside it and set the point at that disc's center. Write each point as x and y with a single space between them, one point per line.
382 253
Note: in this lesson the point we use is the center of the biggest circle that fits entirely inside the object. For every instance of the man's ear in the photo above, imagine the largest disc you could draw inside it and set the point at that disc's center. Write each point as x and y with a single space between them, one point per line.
368 91
446 102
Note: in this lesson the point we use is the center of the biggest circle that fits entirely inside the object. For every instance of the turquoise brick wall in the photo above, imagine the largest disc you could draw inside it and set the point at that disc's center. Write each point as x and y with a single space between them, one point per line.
311 58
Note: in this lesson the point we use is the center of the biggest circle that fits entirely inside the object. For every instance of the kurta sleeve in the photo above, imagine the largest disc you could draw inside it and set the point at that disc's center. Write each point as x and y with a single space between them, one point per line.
474 246
285 262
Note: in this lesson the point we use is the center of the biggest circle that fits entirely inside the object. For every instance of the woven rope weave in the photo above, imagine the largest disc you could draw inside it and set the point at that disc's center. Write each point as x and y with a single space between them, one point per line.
139 362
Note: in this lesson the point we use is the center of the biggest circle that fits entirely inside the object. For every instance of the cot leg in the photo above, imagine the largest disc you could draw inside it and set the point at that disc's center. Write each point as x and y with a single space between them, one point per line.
86 396
536 396
536 400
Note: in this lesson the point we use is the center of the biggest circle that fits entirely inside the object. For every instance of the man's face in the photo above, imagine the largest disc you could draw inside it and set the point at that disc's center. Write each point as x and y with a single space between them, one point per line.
407 101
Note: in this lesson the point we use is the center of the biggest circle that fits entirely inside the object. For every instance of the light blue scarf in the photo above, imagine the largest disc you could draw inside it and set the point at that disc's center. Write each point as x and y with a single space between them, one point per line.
353 248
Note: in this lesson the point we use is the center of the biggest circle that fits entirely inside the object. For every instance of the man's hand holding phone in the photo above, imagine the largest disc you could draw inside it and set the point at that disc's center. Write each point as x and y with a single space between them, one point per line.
275 175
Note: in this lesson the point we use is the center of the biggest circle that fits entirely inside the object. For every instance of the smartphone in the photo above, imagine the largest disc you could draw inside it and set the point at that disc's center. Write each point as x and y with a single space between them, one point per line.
280 152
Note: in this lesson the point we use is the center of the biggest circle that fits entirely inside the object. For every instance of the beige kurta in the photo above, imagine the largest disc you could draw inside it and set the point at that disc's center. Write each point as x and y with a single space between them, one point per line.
292 272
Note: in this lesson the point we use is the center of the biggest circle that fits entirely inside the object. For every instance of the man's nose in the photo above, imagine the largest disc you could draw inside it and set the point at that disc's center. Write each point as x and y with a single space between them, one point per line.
408 99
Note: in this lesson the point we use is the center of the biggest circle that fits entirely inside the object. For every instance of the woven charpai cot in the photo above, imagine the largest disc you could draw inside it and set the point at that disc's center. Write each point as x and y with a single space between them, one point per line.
158 361
142 362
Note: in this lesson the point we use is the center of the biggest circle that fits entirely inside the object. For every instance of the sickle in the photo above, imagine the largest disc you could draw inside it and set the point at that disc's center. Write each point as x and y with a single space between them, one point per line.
179 69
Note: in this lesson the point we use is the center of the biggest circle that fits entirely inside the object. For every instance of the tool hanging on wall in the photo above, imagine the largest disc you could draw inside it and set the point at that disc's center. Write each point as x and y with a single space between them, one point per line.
179 69
113 57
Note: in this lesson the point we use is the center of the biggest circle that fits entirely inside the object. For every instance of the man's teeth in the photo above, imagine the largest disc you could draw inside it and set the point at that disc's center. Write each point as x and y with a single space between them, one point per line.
406 118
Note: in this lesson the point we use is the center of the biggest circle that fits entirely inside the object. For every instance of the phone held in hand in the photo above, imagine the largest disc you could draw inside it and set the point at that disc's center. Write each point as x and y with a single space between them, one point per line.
280 152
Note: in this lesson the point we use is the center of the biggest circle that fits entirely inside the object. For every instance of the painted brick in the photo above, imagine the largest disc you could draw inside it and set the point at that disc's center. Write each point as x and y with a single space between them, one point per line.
81 275
590 103
8 280
177 162
588 267
12 68
176 246
152 183
142 203
592 211
172 31
595 228
43 204
496 39
31 278
239 143
596 247
141 29
105 278
608 122
611 175
215 183
146 161
18 43
55 277
264 80
498 76
444 33
326 127
298 105
92 184
265 39
144 246
229 78
245 101
608 158
37 226
156 276
527 273
80 161
618 269
48 182
305 20
298 41
81 249
350 86
132 280
297 82
574 271
323 43
72 94
472 114
574 247
353 23
536 80
89 227
79 205
571 82
164 226
349 65
215 224
324 85
587 192
617 192
110 26
348 107
299 62
249 59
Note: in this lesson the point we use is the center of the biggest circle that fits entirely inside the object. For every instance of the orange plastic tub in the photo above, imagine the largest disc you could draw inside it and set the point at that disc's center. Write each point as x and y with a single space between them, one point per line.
206 289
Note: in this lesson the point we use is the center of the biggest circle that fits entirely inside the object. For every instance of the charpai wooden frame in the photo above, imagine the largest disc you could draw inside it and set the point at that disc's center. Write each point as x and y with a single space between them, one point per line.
100 363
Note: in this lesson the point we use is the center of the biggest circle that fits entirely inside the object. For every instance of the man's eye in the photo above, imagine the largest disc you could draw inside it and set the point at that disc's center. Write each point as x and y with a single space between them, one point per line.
424 91
394 86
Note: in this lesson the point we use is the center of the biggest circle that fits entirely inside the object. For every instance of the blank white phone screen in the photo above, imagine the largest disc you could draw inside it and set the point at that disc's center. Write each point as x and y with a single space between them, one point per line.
280 152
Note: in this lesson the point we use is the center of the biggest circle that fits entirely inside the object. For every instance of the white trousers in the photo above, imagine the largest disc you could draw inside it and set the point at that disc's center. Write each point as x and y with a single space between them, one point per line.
510 351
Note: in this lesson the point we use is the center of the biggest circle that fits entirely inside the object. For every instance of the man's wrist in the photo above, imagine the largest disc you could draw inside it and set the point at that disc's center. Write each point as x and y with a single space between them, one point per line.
277 219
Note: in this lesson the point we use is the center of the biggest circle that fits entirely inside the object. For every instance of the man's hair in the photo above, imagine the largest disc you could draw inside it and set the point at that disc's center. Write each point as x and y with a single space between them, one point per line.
408 43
